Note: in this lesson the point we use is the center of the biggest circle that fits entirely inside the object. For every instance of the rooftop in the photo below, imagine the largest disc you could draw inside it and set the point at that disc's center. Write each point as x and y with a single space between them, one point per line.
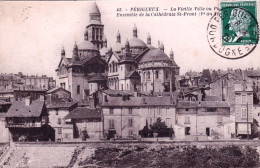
203 104
139 101
84 113
154 55
19 109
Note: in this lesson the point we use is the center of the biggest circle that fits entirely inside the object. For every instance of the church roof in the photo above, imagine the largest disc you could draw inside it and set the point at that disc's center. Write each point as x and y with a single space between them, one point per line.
151 47
94 9
133 74
154 55
96 78
174 63
87 45
103 51
117 47
136 42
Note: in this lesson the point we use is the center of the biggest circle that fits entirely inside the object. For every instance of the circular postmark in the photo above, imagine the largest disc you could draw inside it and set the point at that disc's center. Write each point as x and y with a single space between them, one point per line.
233 32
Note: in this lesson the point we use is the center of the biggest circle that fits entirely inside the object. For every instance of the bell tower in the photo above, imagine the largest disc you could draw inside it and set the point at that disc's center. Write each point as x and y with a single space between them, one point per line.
95 28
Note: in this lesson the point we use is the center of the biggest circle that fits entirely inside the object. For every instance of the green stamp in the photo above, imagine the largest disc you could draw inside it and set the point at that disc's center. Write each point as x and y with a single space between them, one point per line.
239 23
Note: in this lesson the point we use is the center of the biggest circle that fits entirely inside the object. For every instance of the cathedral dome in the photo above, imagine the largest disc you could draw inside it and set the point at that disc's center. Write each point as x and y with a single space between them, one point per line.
87 45
151 47
136 42
117 47
103 51
154 55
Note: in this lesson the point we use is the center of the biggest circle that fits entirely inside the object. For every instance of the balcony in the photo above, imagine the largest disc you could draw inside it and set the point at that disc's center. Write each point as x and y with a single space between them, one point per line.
24 125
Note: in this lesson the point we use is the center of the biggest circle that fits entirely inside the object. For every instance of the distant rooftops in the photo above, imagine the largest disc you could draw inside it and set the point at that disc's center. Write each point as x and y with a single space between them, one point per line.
205 104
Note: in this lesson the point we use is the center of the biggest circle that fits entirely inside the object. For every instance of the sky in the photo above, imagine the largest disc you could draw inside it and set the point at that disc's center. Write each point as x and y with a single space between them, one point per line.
32 34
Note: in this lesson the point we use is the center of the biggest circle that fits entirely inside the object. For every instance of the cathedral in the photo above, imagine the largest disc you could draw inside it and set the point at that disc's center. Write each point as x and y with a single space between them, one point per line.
130 66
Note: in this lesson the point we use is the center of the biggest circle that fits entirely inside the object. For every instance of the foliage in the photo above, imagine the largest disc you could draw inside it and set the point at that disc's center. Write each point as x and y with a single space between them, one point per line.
158 127
176 157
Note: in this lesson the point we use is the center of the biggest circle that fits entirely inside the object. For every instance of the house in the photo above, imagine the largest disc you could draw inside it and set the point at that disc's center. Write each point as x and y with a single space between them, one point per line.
125 116
59 92
201 119
86 119
28 119
57 109
243 107
4 132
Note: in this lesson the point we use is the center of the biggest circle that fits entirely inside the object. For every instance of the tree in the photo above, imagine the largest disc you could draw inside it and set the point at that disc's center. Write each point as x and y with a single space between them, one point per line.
160 128
145 131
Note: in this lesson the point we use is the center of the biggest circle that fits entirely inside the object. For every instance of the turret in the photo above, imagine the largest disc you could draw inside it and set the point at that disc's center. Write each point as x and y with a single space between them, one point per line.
135 31
149 39
118 37
171 55
75 56
94 13
127 47
63 52
162 47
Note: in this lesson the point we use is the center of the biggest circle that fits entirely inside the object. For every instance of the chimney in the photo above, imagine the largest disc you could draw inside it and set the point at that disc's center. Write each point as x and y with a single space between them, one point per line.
28 101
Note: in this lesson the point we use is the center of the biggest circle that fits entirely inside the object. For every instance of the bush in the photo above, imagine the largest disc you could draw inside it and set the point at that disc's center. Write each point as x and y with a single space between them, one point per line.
180 157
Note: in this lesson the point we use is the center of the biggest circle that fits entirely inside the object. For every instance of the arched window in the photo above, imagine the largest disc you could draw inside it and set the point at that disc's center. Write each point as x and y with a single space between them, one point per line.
156 74
148 75
78 89
144 77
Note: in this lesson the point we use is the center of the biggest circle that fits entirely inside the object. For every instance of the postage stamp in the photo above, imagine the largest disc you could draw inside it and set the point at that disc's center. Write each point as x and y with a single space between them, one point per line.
233 32
239 26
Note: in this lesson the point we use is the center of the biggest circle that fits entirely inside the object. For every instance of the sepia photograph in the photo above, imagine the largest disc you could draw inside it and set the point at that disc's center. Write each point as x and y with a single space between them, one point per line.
120 83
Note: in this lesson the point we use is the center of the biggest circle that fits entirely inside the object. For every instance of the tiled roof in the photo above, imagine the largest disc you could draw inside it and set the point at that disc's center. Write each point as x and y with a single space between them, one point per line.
19 109
212 98
116 92
154 55
139 101
56 89
84 113
133 74
209 104
52 102
97 77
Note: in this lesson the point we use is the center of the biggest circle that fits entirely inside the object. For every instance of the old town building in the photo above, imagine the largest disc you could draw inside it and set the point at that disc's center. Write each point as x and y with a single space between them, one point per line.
125 116
201 119
28 120
87 123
